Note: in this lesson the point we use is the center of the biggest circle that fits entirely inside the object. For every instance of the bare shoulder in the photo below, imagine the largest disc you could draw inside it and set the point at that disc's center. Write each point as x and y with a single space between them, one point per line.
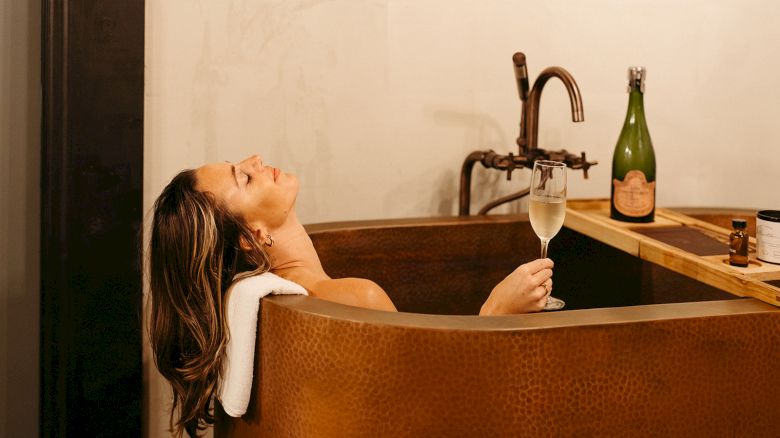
359 292
361 286
352 283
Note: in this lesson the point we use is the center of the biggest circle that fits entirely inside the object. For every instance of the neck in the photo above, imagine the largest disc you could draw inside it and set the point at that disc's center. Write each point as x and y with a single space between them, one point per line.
293 255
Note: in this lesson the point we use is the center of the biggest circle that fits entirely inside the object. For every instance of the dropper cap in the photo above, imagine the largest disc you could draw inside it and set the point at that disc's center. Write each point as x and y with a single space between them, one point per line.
739 223
636 78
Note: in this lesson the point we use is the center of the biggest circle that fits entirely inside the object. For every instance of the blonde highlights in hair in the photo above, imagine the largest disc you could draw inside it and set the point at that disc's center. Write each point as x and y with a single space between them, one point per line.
197 247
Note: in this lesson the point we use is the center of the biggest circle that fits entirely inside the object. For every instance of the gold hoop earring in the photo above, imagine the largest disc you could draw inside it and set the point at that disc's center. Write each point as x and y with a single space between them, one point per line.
269 241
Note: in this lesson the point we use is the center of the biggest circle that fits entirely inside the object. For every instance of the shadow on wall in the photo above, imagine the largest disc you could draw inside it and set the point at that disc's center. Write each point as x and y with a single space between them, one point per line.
20 116
486 185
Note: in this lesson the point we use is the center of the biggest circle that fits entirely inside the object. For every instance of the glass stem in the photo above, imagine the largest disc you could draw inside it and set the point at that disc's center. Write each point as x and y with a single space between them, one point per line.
544 247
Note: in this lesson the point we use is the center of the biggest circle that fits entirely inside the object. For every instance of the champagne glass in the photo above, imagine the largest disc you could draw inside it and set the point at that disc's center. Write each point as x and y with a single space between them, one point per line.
547 208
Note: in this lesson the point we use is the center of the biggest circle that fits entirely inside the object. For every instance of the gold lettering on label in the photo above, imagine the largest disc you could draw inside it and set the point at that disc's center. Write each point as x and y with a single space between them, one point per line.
634 196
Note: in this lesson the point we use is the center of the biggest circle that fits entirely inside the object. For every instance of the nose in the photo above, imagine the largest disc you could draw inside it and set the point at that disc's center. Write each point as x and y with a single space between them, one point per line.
254 159
252 163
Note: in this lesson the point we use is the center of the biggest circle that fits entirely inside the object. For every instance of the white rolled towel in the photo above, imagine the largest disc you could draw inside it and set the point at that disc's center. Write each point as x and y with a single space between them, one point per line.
242 307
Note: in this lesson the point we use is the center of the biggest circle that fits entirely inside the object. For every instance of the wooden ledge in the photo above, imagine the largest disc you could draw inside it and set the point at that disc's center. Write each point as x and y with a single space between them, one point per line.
591 218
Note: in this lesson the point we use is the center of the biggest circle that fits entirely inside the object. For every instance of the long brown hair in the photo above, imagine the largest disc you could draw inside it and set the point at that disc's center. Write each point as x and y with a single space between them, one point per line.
196 249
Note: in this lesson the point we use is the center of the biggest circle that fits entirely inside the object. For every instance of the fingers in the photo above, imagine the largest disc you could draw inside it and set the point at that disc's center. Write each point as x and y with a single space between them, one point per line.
537 265
524 290
543 290
540 303
529 271
542 293
541 276
532 274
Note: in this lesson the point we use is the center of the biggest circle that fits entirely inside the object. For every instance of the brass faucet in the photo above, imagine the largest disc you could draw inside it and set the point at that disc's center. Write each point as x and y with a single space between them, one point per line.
529 126
529 151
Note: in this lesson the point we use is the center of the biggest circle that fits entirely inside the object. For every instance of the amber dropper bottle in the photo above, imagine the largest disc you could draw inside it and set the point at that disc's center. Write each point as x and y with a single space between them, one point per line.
738 243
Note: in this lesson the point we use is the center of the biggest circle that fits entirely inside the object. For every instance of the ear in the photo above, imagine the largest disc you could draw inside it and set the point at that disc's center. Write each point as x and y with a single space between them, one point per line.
247 246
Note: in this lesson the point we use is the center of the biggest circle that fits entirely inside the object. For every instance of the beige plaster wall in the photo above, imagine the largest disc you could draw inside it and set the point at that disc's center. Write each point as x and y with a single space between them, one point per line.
375 103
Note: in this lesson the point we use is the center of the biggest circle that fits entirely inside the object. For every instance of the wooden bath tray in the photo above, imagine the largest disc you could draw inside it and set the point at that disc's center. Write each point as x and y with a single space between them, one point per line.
681 243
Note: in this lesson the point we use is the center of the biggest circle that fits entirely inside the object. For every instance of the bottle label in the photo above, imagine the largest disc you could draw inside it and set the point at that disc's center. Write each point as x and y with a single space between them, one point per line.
634 196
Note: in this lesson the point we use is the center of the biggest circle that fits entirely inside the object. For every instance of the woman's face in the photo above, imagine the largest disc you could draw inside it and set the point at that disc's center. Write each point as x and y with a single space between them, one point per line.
262 195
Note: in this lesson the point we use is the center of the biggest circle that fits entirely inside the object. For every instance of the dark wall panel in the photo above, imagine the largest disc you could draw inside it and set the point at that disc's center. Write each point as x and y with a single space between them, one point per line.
91 214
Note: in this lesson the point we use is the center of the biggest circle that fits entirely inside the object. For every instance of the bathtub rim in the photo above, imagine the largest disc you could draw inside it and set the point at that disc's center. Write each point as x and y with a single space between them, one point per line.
323 227
318 308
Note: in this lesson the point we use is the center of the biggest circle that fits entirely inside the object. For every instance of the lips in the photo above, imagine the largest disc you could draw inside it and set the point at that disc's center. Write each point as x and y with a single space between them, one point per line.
276 173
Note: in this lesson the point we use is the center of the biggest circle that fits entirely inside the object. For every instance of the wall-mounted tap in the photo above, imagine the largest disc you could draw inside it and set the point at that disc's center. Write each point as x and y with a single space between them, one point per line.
529 126
529 152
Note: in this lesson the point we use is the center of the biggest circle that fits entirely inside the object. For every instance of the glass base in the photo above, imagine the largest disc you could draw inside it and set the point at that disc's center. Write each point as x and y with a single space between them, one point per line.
554 304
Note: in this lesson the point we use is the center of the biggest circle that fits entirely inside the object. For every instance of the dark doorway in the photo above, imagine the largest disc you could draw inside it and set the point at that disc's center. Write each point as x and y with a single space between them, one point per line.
91 215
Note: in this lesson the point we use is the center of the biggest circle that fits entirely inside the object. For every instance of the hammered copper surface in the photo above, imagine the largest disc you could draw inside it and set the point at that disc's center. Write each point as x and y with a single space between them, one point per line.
676 377
689 369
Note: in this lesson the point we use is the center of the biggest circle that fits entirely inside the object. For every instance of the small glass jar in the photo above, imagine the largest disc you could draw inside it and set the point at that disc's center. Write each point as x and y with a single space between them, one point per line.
768 236
738 243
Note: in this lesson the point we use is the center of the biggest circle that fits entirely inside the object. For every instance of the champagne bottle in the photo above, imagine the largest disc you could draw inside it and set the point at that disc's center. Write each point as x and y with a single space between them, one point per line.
633 163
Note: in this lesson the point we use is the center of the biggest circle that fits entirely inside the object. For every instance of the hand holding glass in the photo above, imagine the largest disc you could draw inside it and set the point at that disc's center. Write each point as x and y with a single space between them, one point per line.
547 207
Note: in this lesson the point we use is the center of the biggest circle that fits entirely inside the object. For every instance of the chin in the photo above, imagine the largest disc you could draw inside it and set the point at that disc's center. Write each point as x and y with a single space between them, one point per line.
291 185
291 182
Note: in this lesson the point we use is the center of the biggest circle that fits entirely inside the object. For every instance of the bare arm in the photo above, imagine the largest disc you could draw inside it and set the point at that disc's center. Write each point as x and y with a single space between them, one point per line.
354 292
524 290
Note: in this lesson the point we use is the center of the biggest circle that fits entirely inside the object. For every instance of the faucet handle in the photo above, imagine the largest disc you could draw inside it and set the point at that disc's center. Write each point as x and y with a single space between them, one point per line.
510 166
572 161
586 165
521 75
580 162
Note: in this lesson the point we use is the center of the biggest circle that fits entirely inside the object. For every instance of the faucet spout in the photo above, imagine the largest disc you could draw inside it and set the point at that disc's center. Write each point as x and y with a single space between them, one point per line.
530 123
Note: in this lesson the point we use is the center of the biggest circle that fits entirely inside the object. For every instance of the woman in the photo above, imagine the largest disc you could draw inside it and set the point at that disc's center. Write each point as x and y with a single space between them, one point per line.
222 222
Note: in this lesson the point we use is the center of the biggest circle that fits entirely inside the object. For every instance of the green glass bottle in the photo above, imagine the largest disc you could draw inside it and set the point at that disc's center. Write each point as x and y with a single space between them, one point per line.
633 163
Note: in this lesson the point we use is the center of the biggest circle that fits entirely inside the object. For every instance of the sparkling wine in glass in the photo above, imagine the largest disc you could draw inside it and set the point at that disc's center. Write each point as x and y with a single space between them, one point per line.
547 208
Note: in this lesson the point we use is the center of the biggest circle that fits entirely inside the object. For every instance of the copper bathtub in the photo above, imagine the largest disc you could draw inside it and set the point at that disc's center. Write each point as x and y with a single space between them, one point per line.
640 350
